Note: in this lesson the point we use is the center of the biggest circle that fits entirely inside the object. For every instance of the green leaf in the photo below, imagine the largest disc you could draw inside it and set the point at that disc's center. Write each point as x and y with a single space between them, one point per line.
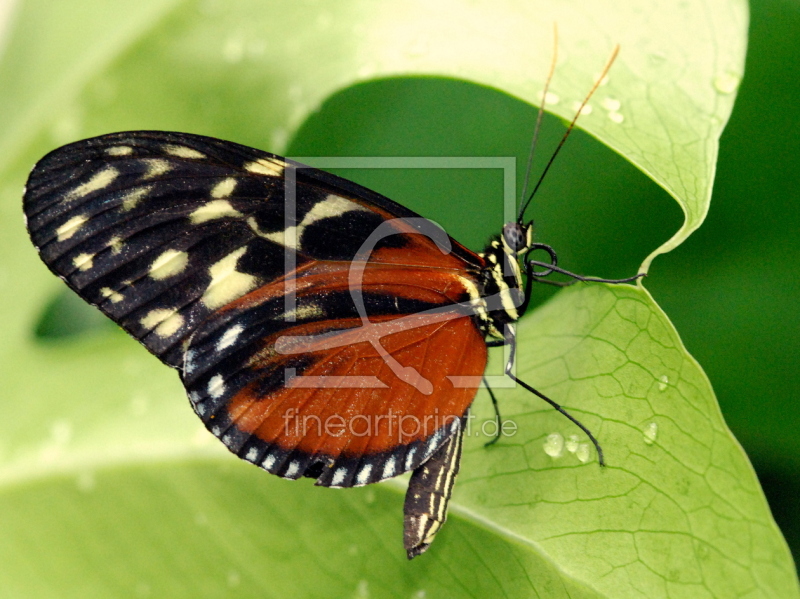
678 510
109 486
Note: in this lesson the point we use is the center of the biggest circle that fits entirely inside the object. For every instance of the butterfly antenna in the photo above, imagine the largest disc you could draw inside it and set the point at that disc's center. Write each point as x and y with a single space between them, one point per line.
570 128
539 116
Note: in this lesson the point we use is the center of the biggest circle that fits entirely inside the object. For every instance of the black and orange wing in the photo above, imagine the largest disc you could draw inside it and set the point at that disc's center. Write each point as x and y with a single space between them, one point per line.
329 395
212 257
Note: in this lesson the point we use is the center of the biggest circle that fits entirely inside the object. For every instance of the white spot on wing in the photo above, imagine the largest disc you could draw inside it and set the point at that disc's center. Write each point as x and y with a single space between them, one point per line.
119 151
111 295
266 166
213 209
410 457
183 152
170 326
227 284
224 188
188 362
330 207
155 167
293 468
303 312
168 264
252 454
268 462
338 477
163 321
132 198
69 228
216 386
362 478
100 180
115 243
229 337
389 468
83 261
432 443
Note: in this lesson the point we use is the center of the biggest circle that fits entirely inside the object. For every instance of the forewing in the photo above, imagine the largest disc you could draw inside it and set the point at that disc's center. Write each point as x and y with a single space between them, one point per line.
160 230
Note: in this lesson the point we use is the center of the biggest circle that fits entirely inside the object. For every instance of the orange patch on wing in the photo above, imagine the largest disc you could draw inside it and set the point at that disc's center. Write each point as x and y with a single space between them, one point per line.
339 420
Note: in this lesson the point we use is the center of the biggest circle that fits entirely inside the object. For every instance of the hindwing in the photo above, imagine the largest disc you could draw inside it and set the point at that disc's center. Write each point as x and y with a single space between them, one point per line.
328 394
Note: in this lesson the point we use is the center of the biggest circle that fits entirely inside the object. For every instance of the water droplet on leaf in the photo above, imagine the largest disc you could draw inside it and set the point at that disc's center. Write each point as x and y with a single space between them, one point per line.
554 445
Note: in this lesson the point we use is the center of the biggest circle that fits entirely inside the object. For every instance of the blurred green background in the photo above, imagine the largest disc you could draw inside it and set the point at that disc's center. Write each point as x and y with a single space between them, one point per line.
730 290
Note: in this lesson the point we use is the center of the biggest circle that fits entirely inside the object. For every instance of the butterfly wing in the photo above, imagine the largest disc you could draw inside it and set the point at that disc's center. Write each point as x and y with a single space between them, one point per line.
329 395
159 230
191 243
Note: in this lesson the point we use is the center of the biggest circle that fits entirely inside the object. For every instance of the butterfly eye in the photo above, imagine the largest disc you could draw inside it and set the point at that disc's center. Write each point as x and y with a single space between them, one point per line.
516 236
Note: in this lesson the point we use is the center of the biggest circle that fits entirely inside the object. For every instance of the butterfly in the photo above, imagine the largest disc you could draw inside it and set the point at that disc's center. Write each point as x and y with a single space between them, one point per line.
320 329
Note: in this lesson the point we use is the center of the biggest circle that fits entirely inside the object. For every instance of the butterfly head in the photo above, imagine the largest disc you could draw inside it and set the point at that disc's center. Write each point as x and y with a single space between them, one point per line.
517 238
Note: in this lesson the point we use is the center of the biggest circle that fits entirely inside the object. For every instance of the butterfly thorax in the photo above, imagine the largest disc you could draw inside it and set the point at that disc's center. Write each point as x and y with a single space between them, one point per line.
500 281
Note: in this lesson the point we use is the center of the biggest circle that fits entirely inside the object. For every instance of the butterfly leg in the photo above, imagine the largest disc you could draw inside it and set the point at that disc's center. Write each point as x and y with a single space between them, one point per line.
511 340
429 490
497 417
495 405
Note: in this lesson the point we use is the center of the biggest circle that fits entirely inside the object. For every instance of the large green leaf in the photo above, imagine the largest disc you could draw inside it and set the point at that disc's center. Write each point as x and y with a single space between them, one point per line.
110 487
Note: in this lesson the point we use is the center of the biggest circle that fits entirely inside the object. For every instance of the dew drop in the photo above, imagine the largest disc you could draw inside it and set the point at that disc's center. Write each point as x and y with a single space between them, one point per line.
611 104
420 594
616 117
663 382
727 82
572 443
550 98
554 445
650 433
603 81
583 453
576 106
